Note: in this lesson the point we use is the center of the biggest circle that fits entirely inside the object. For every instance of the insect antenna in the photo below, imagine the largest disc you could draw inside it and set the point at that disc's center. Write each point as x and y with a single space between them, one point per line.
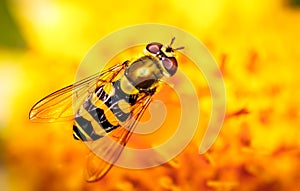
172 41
179 48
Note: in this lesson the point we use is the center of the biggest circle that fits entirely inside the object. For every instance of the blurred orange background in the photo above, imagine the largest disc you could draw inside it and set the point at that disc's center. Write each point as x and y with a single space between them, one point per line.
256 44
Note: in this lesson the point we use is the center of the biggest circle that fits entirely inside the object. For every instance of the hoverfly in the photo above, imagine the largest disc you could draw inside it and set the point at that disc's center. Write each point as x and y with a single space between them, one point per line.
109 103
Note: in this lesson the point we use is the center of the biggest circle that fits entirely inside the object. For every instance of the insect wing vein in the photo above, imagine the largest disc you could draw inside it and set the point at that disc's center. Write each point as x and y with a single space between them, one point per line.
60 105
111 146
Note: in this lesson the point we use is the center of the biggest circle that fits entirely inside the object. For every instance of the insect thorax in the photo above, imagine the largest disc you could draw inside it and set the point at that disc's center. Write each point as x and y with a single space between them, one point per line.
144 72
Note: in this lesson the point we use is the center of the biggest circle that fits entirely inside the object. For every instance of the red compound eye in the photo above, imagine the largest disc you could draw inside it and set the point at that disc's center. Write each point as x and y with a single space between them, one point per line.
154 47
170 64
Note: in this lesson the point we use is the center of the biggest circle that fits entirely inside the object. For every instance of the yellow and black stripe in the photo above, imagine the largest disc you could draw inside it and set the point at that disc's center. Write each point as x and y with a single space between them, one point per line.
103 111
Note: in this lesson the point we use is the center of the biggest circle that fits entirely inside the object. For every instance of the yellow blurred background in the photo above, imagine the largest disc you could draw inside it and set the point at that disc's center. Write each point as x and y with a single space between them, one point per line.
256 44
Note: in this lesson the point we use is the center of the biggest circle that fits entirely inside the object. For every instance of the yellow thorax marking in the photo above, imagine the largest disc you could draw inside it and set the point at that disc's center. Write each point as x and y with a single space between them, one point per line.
127 87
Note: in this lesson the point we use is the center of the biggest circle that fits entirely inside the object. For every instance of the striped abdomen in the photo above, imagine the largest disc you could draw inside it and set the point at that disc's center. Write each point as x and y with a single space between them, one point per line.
103 111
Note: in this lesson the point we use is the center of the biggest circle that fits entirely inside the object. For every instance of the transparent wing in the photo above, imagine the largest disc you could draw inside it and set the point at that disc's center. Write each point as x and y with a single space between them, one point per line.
59 105
111 146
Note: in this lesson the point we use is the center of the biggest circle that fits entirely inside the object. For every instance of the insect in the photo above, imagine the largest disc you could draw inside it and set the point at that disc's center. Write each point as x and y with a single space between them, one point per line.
109 104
